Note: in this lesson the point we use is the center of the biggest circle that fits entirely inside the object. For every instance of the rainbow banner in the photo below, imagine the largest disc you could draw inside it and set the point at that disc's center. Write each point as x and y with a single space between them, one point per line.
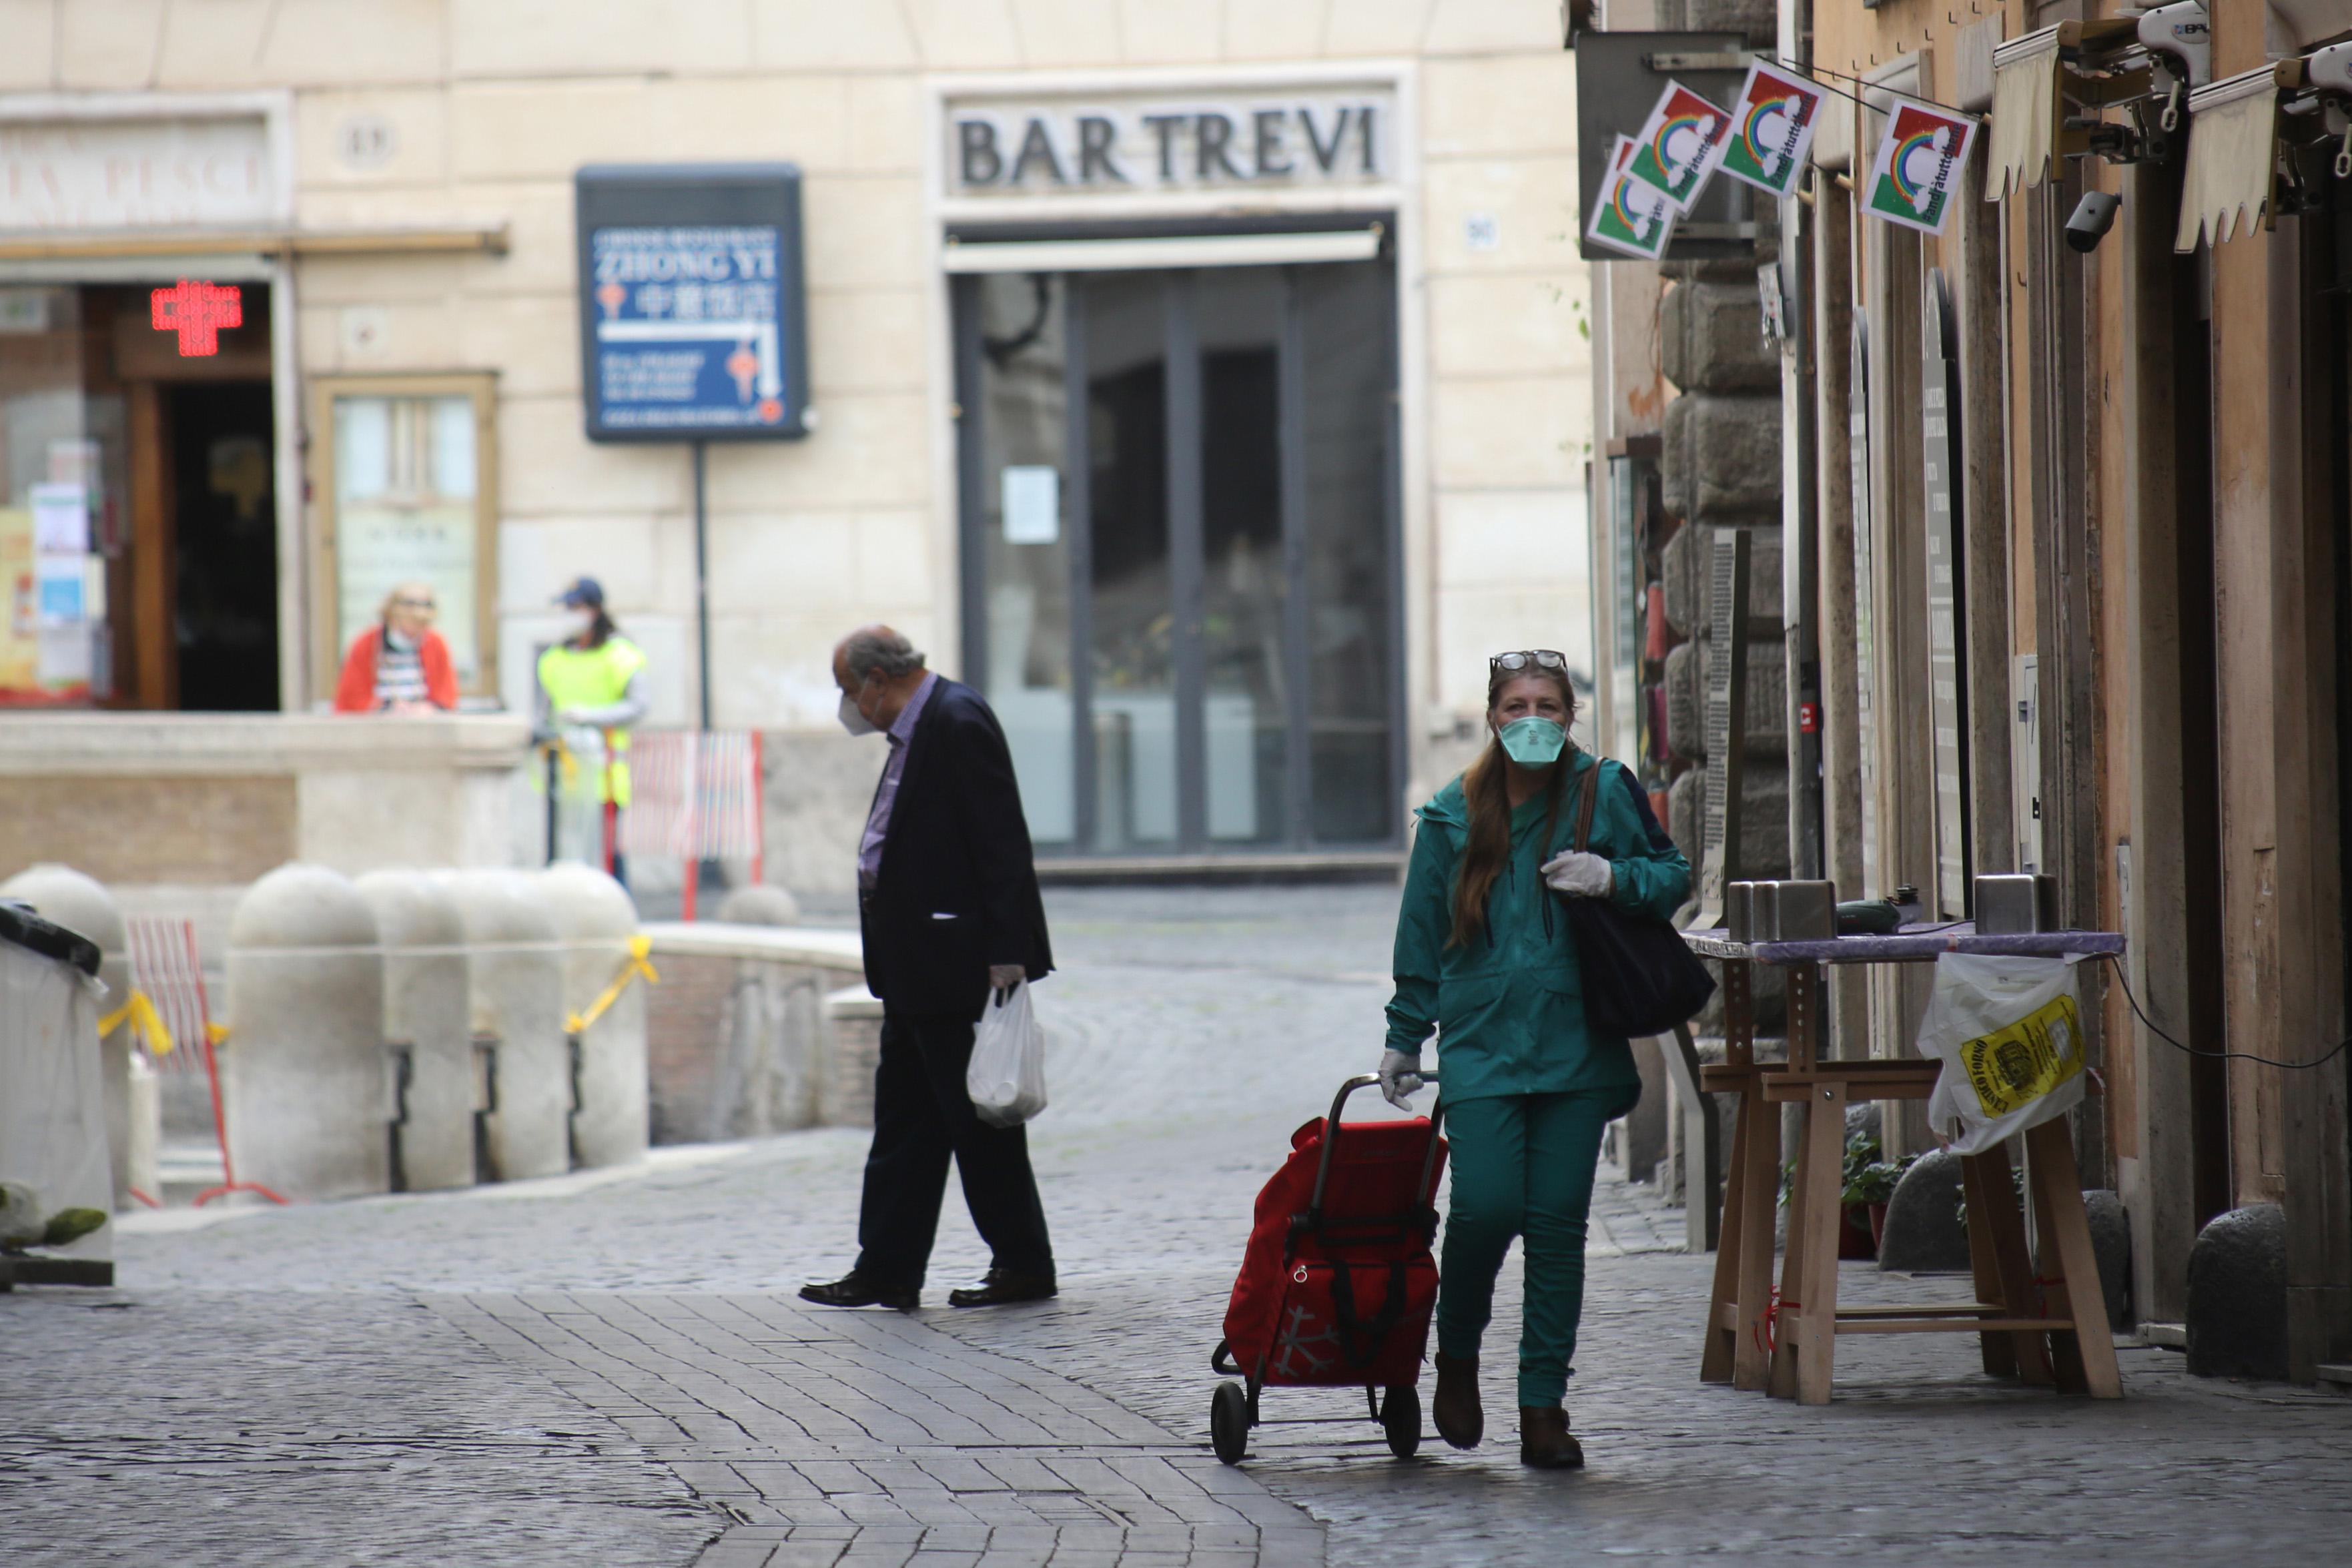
1629 217
1914 179
1771 129
1678 146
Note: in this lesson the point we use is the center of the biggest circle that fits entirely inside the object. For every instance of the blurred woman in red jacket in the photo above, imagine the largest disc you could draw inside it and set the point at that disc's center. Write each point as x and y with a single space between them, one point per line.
400 665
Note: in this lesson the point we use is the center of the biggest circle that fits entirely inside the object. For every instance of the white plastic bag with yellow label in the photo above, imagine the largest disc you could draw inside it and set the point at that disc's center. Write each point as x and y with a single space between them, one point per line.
2010 1034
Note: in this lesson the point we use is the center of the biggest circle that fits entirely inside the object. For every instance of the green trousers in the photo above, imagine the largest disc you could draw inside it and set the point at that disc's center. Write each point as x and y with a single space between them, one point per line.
1523 1167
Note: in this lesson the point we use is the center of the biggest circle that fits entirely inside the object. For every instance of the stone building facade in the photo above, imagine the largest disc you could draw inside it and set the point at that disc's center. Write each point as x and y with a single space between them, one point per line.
1329 427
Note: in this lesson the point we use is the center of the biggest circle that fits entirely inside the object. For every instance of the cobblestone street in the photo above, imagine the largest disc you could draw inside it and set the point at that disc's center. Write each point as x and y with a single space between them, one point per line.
610 1368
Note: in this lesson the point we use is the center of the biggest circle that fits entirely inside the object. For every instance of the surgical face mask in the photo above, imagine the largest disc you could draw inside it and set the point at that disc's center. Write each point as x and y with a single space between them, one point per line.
583 622
1533 741
853 721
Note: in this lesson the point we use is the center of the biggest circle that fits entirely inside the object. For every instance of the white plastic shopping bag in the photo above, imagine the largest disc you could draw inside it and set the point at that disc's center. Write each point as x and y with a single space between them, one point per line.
2010 1034
1006 1079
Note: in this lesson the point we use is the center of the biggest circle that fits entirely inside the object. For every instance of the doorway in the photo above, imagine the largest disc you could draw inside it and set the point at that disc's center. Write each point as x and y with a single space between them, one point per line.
1179 504
225 545
138 505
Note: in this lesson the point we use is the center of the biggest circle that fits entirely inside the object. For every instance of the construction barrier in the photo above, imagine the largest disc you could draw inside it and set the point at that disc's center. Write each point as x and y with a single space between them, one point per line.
694 795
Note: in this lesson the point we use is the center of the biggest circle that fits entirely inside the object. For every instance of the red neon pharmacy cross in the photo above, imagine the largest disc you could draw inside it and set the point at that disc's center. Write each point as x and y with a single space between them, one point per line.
197 311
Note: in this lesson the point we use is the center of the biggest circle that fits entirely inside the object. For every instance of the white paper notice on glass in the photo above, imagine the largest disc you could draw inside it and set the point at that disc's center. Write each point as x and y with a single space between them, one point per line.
60 519
61 589
1032 496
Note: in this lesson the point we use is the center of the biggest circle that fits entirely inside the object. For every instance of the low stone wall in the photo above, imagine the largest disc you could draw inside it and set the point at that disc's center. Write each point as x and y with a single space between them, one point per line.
742 1031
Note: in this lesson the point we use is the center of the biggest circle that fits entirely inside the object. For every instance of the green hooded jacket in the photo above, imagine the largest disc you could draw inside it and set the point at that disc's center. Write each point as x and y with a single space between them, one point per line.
1508 1005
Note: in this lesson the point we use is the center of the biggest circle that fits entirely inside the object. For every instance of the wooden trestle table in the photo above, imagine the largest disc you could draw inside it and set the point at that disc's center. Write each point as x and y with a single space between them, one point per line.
2045 1326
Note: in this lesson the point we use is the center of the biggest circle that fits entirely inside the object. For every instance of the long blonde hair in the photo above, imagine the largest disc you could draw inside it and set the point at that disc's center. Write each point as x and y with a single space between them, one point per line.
1485 793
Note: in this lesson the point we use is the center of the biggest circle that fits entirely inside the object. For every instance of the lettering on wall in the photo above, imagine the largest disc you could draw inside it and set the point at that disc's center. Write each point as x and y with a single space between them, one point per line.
137 174
1028 149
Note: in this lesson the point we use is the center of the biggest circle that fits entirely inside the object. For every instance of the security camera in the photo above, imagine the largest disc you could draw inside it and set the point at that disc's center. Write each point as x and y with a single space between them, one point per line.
2094 216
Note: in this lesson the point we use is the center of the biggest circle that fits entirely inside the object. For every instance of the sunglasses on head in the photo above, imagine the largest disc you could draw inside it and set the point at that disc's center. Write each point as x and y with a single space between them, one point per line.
414 604
1529 658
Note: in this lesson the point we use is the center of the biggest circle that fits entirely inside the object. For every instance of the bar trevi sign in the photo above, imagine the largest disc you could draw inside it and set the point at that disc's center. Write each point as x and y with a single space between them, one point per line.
1013 148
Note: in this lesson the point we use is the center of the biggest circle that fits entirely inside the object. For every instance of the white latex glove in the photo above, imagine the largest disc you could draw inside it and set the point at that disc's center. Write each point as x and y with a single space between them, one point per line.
1579 875
1400 1077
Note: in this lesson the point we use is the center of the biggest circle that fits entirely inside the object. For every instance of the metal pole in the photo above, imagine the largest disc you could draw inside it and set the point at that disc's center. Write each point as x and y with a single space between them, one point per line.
702 578
701 872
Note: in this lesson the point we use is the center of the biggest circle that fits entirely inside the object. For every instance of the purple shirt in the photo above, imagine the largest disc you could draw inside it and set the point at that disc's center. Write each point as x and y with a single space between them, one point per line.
877 822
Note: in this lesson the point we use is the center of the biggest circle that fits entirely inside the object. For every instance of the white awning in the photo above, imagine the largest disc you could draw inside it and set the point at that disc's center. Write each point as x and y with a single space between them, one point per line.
2025 113
2232 155
1179 250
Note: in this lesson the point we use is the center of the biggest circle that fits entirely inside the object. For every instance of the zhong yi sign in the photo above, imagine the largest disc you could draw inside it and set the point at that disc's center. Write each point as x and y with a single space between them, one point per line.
691 303
1006 149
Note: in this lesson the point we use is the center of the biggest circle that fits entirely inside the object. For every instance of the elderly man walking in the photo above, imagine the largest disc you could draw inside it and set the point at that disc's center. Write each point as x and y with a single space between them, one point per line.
948 906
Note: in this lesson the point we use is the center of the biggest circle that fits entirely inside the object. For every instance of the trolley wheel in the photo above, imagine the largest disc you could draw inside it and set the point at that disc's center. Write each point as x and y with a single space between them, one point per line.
1229 1422
1400 1419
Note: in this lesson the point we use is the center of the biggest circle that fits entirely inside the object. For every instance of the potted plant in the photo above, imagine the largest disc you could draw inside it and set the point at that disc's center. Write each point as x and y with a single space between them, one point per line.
1869 1185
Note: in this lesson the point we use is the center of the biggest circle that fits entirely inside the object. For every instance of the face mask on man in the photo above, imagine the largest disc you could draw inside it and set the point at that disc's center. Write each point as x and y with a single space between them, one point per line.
1532 741
855 722
583 622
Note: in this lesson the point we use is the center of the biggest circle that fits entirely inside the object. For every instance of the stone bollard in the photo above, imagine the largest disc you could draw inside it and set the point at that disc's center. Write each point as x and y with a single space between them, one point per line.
1924 1231
61 894
515 989
303 1074
428 1021
595 920
2237 1312
761 905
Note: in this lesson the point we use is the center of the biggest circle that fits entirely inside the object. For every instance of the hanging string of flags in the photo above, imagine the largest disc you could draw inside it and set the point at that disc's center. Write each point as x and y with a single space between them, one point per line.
1656 177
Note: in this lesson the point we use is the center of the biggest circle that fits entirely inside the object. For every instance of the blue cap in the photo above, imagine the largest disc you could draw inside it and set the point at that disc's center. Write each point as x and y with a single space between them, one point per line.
586 592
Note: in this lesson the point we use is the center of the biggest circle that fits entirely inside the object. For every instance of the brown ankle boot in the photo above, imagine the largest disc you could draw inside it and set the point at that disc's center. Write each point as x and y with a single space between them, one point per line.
1544 1441
1455 1408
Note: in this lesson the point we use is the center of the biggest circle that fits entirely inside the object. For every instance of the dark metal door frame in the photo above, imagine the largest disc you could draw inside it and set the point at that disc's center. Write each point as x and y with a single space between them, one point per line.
1183 385
1186 570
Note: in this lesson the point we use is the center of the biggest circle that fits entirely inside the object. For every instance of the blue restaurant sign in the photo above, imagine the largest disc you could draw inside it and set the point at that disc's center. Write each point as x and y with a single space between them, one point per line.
691 314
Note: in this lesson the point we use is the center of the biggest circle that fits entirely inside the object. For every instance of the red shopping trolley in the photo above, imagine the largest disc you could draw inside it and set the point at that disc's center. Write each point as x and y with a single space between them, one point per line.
1338 1283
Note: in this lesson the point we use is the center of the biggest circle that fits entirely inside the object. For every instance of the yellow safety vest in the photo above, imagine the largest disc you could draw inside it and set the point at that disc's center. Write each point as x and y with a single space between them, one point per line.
594 677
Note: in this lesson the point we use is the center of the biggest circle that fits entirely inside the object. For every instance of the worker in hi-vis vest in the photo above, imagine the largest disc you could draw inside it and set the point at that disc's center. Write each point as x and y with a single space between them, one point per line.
589 682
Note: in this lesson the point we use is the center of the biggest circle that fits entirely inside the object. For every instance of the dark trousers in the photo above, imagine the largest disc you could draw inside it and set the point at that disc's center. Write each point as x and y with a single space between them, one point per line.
921 1116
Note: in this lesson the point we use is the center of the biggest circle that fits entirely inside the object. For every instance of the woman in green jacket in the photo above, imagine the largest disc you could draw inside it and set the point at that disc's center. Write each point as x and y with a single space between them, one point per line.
1484 957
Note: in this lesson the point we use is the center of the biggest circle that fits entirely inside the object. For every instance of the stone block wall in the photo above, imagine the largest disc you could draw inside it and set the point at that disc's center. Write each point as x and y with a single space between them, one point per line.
1720 469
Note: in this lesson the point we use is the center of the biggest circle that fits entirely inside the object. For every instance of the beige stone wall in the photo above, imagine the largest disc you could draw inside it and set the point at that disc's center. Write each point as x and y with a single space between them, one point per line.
492 104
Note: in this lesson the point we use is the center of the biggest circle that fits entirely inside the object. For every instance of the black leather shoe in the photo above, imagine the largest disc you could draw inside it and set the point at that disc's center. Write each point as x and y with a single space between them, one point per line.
1001 1288
855 1289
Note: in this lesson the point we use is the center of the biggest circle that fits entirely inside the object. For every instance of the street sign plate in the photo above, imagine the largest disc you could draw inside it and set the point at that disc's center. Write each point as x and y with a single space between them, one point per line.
691 303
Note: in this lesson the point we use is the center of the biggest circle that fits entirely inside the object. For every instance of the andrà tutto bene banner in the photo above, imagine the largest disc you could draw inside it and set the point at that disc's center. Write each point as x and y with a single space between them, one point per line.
1914 179
1677 146
1630 217
1772 124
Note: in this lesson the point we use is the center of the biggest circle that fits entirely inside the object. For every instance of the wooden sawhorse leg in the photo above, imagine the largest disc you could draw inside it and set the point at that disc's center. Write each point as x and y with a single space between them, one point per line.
2001 1265
1735 1352
2085 1357
1805 1356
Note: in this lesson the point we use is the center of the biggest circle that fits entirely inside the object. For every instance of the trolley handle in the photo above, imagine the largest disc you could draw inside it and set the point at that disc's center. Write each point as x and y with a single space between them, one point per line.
1332 1138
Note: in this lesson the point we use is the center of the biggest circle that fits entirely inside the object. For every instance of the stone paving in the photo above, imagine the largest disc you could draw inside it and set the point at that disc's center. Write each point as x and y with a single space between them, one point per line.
610 1368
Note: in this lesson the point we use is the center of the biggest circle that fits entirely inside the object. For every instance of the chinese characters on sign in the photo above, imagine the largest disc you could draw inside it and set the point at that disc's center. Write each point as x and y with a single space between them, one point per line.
691 315
687 335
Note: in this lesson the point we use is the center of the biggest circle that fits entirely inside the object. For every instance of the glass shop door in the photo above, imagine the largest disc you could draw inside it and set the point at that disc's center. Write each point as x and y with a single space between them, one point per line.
1179 513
